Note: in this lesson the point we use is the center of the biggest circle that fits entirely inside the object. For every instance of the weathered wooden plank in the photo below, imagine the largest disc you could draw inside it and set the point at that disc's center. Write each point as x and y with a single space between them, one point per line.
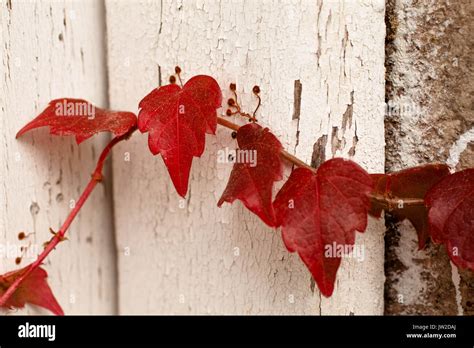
189 256
53 49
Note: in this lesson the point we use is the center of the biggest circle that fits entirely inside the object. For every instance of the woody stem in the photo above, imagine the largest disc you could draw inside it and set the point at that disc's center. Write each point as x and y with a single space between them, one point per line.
384 202
59 236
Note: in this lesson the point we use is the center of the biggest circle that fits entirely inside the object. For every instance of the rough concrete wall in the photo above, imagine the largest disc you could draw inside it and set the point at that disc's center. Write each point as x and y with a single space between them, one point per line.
429 61
52 49
188 256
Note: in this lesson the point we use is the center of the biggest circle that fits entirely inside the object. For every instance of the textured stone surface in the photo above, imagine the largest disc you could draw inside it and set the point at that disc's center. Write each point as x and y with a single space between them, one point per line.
429 74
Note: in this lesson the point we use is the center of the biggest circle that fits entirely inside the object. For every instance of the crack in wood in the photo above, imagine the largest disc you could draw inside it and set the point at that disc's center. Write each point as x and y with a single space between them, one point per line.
298 88
297 100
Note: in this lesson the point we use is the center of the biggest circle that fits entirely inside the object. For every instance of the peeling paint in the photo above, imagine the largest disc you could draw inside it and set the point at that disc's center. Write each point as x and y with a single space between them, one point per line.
347 116
319 151
250 43
352 150
297 100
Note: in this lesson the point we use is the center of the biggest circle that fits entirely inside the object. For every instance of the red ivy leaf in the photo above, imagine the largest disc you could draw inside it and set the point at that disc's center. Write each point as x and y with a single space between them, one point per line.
252 183
177 120
80 118
405 184
451 216
34 290
320 213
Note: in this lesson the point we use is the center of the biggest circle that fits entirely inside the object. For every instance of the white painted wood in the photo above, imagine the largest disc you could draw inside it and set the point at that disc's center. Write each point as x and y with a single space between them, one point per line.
53 49
202 259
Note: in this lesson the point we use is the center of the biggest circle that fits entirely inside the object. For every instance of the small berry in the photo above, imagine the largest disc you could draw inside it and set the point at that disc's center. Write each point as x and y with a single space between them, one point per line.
21 235
177 70
234 135
172 79
256 89
228 112
233 87
18 260
231 102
